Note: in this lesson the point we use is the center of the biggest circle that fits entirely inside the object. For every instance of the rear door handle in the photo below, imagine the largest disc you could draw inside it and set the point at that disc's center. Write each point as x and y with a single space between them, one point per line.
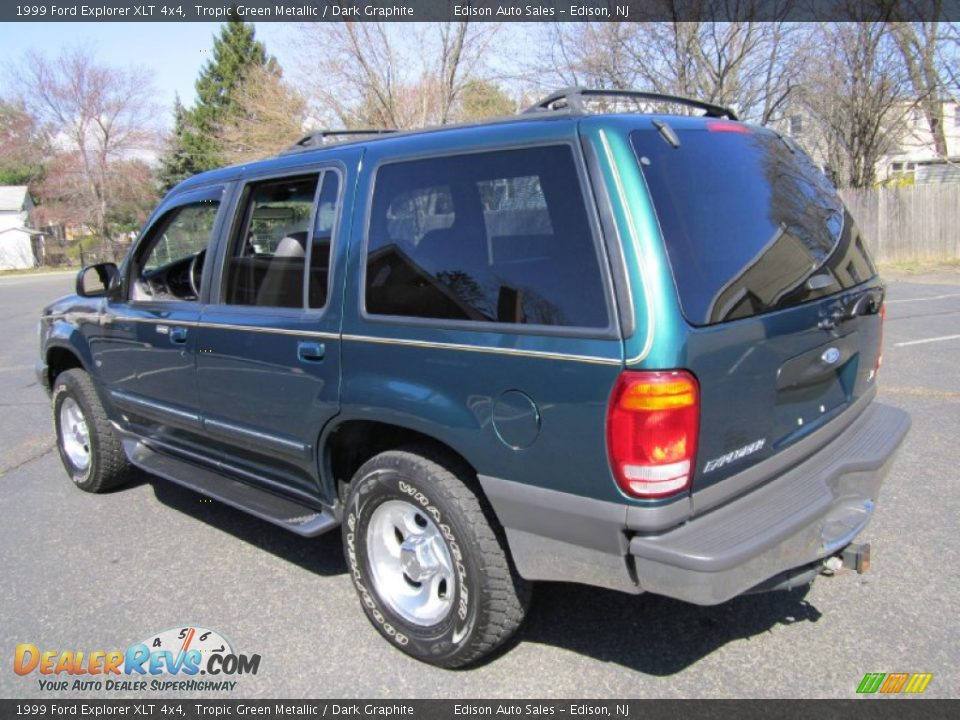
310 351
178 335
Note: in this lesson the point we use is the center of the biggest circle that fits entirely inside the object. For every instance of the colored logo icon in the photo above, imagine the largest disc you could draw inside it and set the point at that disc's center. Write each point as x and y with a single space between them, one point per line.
894 683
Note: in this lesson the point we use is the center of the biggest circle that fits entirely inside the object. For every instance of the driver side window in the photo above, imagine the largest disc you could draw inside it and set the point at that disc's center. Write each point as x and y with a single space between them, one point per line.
172 259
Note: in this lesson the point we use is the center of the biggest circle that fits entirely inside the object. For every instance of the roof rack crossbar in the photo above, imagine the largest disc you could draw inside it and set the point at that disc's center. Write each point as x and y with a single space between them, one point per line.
318 138
572 99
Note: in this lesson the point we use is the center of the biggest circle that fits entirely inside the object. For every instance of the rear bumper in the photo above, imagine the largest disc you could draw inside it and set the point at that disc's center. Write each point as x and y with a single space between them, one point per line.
809 512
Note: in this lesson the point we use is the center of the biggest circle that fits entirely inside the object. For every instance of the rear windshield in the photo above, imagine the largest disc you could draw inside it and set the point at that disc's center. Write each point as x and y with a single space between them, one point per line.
750 224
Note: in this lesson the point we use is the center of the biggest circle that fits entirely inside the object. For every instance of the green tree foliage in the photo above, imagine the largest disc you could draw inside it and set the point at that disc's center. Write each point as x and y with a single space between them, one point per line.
21 146
482 99
195 145
175 164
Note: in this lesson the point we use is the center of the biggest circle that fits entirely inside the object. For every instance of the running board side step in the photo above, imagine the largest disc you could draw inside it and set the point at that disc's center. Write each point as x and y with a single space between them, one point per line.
288 514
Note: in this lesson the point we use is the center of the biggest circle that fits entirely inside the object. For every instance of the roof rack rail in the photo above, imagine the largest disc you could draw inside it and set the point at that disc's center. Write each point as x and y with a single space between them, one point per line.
572 99
319 138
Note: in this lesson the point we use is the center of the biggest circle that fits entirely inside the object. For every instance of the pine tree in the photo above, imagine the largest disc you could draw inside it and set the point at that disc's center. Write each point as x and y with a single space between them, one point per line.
194 146
175 164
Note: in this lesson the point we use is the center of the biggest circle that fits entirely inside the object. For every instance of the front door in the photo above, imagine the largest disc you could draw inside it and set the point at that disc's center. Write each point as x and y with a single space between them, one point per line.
268 349
145 349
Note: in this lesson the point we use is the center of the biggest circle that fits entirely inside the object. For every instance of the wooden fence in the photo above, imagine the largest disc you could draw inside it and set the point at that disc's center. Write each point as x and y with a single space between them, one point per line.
921 222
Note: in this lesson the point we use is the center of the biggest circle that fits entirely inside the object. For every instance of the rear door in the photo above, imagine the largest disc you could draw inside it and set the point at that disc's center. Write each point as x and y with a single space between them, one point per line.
268 359
773 279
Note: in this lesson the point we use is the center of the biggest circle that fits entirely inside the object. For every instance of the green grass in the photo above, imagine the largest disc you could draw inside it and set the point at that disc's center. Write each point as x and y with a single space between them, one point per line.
39 271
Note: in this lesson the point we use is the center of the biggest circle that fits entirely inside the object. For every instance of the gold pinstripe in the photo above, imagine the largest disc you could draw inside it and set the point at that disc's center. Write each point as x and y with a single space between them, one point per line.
484 349
539 354
271 331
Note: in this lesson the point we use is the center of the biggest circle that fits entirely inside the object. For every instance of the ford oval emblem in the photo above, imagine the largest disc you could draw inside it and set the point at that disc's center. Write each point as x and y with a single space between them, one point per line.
830 356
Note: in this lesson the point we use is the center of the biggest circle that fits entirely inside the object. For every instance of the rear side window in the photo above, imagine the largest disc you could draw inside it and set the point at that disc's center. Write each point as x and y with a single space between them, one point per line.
750 224
286 229
267 266
498 237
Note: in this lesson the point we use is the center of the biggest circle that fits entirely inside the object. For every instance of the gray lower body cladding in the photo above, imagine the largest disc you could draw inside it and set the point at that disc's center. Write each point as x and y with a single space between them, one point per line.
42 371
806 513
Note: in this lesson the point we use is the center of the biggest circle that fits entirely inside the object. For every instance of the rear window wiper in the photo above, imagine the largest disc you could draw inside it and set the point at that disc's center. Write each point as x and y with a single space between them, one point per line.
667 133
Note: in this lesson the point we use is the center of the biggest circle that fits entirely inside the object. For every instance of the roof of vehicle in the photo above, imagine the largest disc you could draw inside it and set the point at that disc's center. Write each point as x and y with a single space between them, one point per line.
566 105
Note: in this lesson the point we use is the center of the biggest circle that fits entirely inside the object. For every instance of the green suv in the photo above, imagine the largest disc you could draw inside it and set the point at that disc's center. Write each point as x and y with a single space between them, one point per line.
632 350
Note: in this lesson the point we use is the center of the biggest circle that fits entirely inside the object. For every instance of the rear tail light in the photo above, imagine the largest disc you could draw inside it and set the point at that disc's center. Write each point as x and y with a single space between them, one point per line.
652 425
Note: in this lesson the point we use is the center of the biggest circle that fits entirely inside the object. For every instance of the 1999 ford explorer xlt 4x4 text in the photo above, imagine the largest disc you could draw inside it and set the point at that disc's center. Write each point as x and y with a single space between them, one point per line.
632 350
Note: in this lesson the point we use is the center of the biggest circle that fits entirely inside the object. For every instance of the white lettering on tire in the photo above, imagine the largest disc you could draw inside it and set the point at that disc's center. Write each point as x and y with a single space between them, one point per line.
463 607
365 596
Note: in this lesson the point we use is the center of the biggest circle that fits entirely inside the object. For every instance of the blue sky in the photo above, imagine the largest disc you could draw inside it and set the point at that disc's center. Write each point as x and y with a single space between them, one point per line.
175 52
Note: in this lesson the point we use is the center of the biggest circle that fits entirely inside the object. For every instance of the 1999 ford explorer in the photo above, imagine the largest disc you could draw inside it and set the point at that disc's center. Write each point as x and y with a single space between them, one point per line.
632 350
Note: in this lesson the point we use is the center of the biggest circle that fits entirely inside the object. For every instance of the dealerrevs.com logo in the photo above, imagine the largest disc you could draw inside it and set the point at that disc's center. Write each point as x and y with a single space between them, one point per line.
185 659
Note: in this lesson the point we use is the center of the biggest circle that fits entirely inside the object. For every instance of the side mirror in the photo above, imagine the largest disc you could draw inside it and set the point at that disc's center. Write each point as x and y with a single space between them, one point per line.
97 280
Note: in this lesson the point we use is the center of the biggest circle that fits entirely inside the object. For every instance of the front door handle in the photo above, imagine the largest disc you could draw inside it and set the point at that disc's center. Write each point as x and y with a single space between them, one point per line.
178 335
310 351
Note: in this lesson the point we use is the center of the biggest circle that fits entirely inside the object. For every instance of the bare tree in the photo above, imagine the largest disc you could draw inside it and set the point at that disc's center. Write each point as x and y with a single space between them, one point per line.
593 54
129 184
97 120
269 115
396 75
919 45
748 65
949 60
856 94
751 66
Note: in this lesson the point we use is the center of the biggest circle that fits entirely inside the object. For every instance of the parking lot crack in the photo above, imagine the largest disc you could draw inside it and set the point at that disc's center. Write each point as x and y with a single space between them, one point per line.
43 452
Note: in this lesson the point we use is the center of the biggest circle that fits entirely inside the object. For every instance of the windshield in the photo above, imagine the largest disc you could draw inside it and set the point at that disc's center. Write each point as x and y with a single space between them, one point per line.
751 225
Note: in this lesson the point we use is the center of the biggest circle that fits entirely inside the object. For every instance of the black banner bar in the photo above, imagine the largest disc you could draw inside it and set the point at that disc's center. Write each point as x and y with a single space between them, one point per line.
176 11
180 709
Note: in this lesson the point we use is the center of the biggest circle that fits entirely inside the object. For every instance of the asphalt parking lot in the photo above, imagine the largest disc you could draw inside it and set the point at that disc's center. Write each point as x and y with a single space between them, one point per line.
102 572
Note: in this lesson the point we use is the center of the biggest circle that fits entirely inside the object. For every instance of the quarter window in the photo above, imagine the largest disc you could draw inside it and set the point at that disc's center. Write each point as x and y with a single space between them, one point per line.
413 214
323 228
498 237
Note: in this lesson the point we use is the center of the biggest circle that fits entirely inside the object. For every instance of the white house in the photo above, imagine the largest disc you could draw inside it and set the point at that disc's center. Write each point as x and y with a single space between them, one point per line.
16 246
914 155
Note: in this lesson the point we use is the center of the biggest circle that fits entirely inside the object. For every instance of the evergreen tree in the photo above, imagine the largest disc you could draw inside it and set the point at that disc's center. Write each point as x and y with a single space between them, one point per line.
175 164
194 146
482 99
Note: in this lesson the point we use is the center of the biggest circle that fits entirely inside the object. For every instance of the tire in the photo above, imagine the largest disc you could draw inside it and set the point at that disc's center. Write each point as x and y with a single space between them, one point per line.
88 446
427 560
